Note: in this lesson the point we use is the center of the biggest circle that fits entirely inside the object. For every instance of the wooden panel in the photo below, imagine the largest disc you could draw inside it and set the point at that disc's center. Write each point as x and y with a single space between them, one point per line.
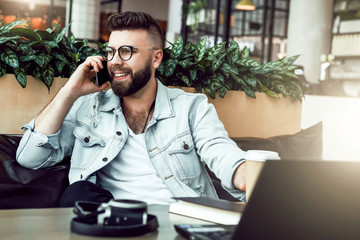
19 105
264 116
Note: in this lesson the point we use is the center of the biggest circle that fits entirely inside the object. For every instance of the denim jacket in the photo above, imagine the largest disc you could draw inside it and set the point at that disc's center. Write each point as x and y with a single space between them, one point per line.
182 137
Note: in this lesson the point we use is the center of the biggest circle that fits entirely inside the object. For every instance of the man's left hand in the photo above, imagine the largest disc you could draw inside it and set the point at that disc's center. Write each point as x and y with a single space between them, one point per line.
239 177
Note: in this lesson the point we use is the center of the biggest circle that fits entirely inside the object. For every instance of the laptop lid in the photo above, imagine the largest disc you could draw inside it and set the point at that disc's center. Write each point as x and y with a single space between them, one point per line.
303 200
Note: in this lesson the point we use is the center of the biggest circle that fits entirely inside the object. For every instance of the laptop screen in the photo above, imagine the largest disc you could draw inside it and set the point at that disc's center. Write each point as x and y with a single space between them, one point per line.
304 200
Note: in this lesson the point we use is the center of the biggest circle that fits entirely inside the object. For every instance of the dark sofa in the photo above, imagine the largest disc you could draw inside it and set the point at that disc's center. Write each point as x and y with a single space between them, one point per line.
25 188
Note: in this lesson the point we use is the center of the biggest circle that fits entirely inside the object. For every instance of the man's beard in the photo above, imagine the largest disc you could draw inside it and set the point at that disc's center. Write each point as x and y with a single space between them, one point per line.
138 81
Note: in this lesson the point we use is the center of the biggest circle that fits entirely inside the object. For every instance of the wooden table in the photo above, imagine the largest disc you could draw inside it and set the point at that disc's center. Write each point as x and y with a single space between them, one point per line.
54 224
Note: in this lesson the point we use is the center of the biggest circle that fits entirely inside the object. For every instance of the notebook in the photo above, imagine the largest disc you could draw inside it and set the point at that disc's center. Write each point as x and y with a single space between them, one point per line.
296 200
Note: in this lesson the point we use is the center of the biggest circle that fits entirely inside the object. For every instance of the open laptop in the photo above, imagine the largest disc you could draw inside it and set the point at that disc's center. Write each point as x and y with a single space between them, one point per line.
304 200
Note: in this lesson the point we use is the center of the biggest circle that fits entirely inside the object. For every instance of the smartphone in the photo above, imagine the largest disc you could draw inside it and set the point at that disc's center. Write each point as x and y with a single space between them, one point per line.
102 76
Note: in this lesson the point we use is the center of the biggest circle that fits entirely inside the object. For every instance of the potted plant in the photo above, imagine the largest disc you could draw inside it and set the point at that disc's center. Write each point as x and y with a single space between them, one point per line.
219 69
229 71
42 54
34 65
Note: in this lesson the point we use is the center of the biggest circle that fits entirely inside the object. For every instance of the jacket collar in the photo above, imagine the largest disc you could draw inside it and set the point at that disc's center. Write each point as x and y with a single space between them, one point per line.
163 107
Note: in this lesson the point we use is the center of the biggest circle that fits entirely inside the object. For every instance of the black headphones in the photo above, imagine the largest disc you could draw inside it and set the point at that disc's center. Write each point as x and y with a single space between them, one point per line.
116 218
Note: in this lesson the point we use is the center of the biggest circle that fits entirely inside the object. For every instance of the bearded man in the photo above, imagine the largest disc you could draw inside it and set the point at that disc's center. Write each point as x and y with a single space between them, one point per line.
138 140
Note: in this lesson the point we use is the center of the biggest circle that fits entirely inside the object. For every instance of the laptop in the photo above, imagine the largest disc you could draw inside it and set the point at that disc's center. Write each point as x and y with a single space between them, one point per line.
294 200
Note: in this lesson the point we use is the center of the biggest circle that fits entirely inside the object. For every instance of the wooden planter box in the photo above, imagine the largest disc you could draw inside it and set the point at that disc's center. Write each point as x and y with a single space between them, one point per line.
242 116
20 105
263 117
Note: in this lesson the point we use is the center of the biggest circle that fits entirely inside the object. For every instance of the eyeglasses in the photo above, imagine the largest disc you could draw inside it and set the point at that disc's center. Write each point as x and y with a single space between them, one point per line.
125 52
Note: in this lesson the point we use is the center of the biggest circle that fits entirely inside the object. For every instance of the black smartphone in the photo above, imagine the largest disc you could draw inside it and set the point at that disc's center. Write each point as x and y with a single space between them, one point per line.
102 76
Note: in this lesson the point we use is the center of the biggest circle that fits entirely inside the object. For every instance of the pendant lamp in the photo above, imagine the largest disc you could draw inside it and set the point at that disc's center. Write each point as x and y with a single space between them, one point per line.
245 5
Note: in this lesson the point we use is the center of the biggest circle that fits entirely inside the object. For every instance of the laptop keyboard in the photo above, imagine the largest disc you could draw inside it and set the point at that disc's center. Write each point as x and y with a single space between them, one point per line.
203 232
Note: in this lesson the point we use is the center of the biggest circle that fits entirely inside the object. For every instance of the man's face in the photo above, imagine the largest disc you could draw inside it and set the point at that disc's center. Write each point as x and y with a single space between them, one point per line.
128 77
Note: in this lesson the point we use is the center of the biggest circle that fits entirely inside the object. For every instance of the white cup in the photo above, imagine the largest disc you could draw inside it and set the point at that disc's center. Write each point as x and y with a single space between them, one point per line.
255 160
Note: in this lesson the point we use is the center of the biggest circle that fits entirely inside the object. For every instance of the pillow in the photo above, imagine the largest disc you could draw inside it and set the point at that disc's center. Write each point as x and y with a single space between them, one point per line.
304 145
26 188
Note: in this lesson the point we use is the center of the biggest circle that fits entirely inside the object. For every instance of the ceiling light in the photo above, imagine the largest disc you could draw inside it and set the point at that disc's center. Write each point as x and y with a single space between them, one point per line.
245 5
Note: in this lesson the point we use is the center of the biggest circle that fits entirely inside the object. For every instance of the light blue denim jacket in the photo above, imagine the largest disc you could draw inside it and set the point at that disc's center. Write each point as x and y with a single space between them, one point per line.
183 136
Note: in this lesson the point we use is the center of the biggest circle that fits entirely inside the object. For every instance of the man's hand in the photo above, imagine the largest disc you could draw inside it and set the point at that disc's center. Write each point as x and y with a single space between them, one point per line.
239 177
80 83
50 119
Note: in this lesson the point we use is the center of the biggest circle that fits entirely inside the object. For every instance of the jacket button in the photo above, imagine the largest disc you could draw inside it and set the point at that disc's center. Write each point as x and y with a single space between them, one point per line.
105 159
81 176
186 147
118 133
86 139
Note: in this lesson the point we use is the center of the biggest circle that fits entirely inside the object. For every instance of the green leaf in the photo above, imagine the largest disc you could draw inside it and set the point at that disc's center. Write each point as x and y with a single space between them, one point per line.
291 75
216 64
222 92
10 58
248 62
269 92
290 60
185 63
185 79
43 59
170 66
20 76
6 39
60 66
27 58
220 78
210 92
189 48
193 74
235 52
200 50
48 76
249 91
228 69
7 27
45 35
244 53
238 79
250 79
59 56
274 77
26 33
61 34
215 50
271 66
177 48
3 69
51 44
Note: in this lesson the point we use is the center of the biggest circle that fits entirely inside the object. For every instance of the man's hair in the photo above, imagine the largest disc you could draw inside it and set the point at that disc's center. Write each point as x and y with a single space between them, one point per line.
136 20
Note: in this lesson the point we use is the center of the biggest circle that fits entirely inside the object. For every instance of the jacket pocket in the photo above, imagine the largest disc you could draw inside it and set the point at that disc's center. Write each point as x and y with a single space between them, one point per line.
87 138
185 162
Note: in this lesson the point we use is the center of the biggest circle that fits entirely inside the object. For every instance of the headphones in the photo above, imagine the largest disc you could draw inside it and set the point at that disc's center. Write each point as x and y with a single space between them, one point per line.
116 218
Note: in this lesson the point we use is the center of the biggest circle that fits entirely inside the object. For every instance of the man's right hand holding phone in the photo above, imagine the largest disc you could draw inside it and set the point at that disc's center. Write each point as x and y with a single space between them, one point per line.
49 120
80 83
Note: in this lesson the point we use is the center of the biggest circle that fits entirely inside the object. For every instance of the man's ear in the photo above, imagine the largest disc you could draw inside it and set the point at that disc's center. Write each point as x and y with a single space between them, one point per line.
158 58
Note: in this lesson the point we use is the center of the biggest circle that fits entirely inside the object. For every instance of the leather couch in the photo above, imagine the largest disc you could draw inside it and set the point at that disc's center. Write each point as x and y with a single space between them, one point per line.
25 188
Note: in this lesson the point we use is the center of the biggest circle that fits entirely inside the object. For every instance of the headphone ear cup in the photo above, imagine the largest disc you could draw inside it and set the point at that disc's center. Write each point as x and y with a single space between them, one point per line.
97 219
80 227
90 207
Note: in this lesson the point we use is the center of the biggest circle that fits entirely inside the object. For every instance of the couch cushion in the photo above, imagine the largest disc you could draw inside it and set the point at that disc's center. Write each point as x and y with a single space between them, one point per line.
26 188
304 145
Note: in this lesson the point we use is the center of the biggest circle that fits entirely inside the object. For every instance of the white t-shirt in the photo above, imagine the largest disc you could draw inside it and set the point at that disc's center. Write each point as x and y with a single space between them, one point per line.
131 174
